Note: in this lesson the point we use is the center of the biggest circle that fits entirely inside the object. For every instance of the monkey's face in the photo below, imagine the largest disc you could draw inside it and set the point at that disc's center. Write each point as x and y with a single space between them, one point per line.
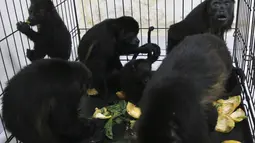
36 14
131 39
126 30
127 41
221 10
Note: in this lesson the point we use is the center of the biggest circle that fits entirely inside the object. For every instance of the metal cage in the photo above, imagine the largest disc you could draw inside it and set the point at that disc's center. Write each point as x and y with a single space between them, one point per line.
80 15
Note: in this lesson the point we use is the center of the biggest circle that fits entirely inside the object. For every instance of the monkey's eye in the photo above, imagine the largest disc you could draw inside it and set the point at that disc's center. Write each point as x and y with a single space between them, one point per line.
227 3
216 4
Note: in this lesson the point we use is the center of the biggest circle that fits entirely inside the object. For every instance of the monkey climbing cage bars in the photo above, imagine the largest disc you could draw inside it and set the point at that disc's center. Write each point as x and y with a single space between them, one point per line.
80 15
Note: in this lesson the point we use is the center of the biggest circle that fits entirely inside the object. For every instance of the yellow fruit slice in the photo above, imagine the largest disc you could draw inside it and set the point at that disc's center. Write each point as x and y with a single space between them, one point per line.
28 22
224 124
216 104
226 108
238 115
235 100
92 92
101 114
231 141
121 94
133 111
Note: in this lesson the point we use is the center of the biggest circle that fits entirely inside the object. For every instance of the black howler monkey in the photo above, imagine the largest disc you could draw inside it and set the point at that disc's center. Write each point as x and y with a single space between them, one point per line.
137 72
53 38
213 16
40 102
176 98
102 45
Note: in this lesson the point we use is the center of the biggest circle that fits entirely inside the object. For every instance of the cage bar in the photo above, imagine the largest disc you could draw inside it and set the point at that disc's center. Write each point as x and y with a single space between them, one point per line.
80 15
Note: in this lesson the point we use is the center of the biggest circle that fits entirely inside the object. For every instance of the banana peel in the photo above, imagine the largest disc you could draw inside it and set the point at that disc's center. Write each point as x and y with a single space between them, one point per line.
224 124
238 115
133 111
231 141
101 114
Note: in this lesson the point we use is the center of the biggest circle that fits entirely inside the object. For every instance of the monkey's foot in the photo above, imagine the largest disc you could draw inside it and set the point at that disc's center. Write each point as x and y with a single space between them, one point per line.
92 92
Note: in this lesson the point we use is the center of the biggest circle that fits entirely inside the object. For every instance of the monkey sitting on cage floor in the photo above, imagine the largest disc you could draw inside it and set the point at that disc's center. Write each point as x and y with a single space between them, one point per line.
102 45
40 102
175 101
213 16
53 38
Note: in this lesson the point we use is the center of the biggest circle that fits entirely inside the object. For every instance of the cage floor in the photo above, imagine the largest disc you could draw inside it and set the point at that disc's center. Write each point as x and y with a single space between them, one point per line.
240 132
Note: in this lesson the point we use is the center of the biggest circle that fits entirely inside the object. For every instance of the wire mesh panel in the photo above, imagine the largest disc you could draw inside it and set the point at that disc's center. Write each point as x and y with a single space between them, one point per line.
158 13
13 44
244 56
81 15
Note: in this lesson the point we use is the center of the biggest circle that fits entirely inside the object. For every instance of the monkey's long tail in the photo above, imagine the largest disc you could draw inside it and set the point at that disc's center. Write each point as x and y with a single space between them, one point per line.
149 33
149 41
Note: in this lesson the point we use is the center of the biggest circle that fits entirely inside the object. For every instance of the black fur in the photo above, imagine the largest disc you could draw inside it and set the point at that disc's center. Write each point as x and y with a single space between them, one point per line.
134 77
53 38
102 45
149 41
204 18
176 98
40 102
136 73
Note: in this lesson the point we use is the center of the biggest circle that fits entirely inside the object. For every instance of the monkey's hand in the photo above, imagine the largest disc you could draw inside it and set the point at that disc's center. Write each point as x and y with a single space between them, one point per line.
23 27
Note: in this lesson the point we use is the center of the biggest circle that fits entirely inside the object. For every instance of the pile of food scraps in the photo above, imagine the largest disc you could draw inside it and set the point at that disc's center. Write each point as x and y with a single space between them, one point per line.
120 112
228 114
